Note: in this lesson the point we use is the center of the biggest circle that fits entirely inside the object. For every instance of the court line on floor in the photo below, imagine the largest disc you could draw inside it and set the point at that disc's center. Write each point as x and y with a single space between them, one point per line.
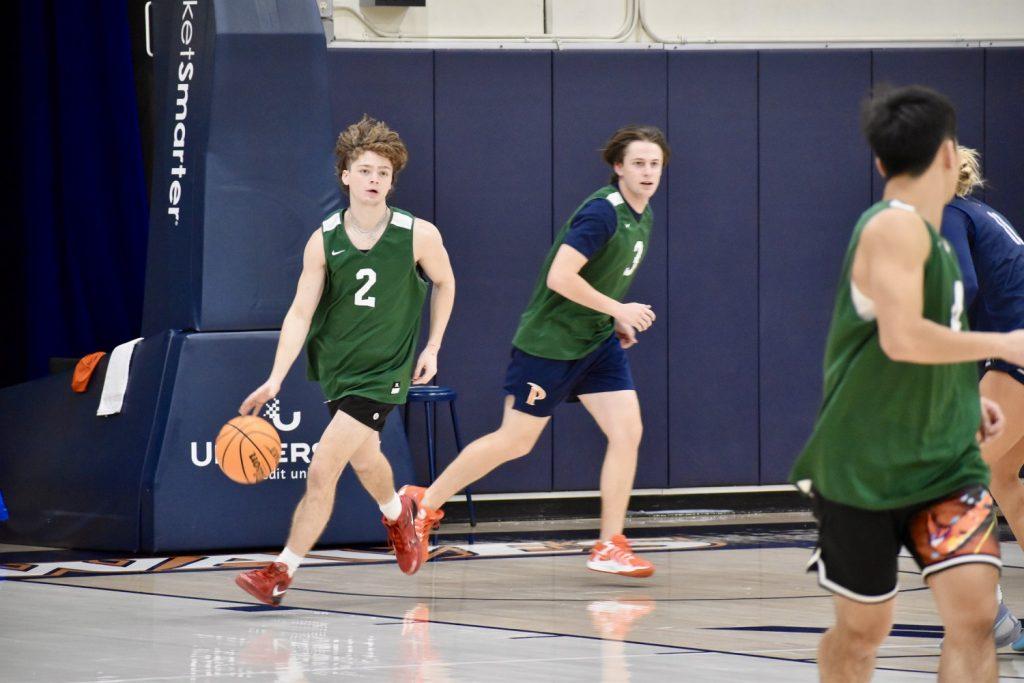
442 665
153 571
637 586
679 648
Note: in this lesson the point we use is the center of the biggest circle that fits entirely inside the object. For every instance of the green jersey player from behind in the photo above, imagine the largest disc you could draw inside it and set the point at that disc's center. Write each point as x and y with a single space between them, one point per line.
357 309
894 460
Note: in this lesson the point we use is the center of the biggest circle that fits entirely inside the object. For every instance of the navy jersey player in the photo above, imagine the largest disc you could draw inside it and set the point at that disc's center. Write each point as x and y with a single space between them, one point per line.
991 256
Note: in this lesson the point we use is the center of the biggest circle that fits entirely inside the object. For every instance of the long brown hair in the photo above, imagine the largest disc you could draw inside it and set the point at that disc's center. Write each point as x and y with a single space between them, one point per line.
614 151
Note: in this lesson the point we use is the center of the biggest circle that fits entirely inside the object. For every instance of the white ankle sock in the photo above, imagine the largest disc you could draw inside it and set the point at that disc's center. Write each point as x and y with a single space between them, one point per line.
999 593
291 559
393 508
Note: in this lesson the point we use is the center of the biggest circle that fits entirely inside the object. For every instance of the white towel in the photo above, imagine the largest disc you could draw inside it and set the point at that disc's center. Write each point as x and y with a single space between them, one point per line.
116 381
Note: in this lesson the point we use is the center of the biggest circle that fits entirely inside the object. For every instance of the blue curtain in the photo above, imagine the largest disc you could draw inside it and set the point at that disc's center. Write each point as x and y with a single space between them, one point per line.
77 211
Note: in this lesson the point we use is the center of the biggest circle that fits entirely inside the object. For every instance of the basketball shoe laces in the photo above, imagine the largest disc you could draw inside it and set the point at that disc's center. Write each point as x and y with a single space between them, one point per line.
621 551
425 523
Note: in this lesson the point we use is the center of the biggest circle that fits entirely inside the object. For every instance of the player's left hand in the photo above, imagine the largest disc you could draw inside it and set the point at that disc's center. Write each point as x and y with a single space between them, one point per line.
626 335
992 420
426 366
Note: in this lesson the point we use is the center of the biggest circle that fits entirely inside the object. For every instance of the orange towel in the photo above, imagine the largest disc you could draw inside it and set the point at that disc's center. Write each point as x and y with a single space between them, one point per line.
84 370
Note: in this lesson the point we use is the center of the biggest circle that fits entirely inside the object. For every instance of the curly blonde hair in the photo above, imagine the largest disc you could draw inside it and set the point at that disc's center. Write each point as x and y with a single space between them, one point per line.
369 135
970 171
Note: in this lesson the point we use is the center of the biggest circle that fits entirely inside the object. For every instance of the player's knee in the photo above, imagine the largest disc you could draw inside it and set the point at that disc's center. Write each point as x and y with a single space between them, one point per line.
360 467
368 465
973 627
866 641
627 435
320 479
517 444
864 636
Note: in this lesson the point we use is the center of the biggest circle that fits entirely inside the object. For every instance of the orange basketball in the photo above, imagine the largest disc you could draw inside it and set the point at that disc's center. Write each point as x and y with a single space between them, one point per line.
248 449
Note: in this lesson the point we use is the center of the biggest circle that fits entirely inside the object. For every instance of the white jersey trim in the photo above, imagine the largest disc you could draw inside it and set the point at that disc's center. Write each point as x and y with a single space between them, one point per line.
615 199
862 303
401 220
333 221
902 206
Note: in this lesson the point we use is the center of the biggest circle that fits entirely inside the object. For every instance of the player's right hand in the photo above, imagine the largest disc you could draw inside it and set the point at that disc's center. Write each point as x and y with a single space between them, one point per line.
253 403
637 316
1014 351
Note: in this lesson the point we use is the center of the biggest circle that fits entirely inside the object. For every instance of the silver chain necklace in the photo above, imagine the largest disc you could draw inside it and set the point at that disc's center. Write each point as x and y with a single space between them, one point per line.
369 233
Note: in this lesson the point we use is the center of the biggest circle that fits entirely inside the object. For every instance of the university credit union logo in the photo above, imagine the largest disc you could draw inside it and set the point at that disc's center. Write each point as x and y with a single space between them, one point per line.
294 453
272 411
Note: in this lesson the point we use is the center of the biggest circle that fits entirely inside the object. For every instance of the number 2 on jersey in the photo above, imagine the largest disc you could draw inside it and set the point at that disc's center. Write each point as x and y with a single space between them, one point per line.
639 249
371 278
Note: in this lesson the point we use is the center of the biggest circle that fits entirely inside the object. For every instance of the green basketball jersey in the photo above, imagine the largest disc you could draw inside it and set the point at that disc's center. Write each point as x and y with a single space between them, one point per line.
364 332
554 327
892 434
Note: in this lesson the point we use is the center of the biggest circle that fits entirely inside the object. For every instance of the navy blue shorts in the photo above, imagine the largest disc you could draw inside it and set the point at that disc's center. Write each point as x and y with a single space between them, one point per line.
539 384
1014 371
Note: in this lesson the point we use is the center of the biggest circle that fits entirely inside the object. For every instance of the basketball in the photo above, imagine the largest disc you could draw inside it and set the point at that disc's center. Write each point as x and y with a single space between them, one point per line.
248 449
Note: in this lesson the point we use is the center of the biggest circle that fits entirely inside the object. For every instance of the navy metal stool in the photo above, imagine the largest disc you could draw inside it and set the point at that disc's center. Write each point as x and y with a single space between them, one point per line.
430 395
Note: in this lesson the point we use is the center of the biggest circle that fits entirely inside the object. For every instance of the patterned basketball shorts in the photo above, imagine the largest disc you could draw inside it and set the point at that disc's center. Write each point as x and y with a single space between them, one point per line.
857 549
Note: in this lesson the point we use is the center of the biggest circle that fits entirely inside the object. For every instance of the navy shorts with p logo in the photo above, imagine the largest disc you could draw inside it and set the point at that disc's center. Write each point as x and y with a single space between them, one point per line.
539 384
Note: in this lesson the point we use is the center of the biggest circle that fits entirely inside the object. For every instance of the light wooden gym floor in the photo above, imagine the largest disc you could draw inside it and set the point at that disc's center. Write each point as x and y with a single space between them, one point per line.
725 604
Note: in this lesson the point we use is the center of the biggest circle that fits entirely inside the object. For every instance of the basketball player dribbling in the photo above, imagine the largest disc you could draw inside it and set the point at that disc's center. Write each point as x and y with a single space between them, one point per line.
357 308
570 346
991 255
894 459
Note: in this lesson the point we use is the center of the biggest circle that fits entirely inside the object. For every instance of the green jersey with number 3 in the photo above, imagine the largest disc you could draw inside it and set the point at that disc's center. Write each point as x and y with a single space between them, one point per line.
891 434
365 329
554 327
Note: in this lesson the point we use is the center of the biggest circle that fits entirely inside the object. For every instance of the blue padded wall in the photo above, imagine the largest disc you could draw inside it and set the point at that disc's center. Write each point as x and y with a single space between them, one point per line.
145 480
193 505
234 78
398 87
712 278
181 122
70 478
814 183
594 94
769 175
493 204
1004 132
959 74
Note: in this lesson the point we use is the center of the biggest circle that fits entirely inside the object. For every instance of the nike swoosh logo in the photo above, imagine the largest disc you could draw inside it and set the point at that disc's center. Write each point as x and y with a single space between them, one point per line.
276 593
335 253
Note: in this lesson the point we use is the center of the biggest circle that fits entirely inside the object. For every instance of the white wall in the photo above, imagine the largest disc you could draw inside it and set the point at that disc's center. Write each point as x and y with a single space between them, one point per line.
757 20
700 21
463 18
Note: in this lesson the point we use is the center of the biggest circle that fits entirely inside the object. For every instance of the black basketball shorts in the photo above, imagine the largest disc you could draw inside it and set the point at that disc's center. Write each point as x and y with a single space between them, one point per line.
858 549
371 413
